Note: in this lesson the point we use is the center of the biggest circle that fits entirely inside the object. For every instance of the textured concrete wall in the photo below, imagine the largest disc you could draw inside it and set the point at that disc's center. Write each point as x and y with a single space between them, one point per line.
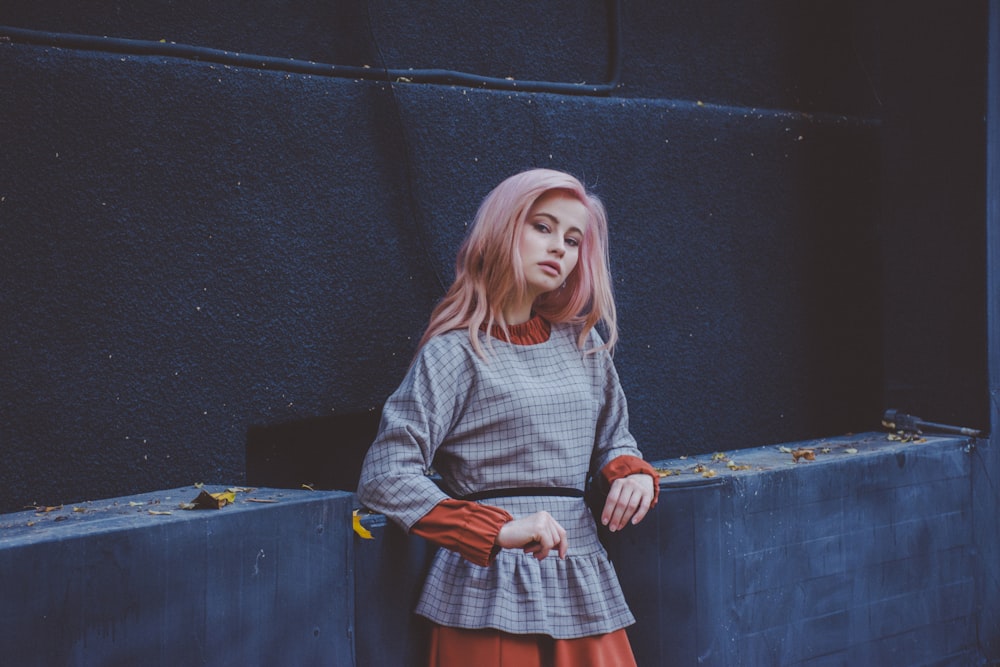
986 482
197 254
866 555
863 556
192 250
876 553
136 580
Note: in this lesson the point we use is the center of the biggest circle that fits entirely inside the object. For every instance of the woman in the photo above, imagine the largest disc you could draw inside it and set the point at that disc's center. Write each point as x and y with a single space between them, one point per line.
514 400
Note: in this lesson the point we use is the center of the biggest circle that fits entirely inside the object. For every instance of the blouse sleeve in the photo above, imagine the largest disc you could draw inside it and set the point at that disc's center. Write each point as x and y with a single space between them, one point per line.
616 453
612 437
415 419
468 528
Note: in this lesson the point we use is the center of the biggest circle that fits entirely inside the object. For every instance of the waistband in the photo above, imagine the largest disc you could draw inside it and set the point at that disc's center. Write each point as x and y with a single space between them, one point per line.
523 491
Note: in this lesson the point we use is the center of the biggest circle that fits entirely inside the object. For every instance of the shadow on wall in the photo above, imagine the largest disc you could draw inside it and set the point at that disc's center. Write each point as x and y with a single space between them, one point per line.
321 452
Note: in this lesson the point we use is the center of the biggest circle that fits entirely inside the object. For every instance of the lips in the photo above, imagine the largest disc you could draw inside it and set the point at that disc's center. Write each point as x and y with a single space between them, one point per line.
552 268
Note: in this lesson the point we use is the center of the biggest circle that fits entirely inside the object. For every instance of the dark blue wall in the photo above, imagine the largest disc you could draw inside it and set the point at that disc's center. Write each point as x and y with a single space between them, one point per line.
266 580
871 554
934 191
193 249
863 556
986 483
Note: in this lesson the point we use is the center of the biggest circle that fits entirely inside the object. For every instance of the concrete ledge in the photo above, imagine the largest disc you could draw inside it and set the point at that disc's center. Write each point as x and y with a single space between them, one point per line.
112 583
866 554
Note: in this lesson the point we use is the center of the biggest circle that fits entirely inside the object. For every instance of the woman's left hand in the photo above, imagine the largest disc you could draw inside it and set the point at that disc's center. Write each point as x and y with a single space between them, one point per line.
628 500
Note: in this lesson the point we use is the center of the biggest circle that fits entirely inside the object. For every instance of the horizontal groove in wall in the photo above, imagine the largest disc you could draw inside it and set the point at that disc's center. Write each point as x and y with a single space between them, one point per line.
396 75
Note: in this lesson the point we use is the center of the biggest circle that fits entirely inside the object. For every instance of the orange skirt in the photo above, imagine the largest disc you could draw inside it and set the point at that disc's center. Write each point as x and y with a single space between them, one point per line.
458 647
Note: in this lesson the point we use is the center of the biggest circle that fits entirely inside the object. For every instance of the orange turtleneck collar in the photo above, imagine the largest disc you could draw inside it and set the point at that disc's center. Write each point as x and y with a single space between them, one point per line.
534 331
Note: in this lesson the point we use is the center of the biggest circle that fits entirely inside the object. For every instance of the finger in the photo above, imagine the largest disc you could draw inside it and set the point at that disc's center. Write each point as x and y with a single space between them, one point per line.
542 553
558 536
553 538
547 541
611 503
643 510
647 493
628 503
615 506
536 548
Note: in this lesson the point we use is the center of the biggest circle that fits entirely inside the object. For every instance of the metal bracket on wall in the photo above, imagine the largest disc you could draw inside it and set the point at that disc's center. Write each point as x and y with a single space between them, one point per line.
895 420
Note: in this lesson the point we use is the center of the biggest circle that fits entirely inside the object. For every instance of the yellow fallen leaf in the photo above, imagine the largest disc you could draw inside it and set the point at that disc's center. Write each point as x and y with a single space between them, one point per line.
704 470
209 501
159 513
851 450
225 496
359 529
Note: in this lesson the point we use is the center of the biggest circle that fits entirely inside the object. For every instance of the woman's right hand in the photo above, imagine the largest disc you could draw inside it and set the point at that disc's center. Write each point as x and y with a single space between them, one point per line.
537 534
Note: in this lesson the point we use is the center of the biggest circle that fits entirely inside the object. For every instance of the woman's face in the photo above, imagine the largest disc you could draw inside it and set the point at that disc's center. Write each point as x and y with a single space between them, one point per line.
549 241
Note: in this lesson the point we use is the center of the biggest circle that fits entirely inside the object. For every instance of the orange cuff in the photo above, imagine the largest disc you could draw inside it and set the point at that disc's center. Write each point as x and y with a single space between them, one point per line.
465 527
625 465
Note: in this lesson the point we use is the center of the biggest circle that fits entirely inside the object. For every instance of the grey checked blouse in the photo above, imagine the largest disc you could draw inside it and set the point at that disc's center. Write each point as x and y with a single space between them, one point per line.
527 416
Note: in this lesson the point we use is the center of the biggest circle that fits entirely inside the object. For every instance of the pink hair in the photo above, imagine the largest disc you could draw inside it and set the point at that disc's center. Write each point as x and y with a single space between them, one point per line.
489 274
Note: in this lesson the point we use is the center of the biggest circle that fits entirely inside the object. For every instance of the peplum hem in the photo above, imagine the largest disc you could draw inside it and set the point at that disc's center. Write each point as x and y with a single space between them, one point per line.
564 599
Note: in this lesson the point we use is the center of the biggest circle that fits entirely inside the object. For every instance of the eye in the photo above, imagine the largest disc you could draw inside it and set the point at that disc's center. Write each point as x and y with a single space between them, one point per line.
573 242
541 227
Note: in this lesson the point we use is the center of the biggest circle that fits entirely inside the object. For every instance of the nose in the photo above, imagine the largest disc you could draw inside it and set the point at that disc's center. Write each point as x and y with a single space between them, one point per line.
558 246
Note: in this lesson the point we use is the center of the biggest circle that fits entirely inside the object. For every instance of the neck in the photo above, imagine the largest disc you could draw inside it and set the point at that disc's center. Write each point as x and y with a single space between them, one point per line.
518 313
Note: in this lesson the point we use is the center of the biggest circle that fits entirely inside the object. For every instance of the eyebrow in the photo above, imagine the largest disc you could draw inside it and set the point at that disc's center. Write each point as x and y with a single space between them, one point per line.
554 219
